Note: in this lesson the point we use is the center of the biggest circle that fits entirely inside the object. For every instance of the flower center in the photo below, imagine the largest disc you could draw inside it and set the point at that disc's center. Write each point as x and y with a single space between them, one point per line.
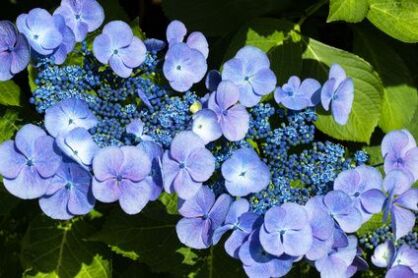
225 112
69 185
242 174
70 121
119 178
178 67
77 16
182 165
356 194
246 78
29 162
35 37
115 52
399 160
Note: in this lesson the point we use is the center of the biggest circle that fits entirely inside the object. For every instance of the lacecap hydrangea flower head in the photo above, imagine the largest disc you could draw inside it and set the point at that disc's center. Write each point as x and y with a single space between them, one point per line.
131 122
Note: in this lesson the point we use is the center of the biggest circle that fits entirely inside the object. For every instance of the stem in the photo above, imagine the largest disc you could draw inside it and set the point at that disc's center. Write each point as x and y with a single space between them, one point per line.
378 164
311 10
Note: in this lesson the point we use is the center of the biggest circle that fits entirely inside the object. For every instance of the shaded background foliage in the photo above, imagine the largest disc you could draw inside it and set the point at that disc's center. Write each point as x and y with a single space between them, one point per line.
374 40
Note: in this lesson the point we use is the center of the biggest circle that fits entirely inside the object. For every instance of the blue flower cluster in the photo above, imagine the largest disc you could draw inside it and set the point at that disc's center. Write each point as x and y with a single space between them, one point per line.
123 124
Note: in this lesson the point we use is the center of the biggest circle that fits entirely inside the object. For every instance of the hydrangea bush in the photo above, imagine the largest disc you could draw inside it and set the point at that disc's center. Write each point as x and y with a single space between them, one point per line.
139 151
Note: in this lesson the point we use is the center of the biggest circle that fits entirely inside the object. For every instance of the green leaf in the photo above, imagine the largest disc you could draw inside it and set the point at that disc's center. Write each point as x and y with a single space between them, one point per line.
347 10
7 201
370 226
59 249
32 76
114 11
397 18
400 99
170 202
151 235
219 17
413 126
315 58
366 111
8 125
9 93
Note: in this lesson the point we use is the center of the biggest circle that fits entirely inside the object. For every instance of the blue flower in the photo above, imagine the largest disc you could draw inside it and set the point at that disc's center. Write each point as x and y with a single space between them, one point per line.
286 230
297 95
68 40
186 165
228 117
79 145
400 151
340 206
14 51
67 115
176 32
400 263
118 47
29 162
40 29
202 216
154 45
69 193
401 201
245 173
364 185
323 228
82 16
258 263
337 262
241 222
120 175
250 71
183 66
338 92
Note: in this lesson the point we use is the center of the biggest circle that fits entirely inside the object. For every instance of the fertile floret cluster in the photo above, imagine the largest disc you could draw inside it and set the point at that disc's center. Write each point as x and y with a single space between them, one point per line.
122 123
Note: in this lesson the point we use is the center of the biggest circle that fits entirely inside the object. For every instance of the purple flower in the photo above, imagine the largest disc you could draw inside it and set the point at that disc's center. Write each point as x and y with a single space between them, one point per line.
400 271
286 230
136 128
296 95
206 125
245 173
120 174
176 32
241 222
337 262
401 200
69 193
67 115
250 71
406 256
68 40
258 263
338 92
78 144
29 162
202 216
223 116
154 152
364 185
14 51
400 152
402 262
340 206
323 228
186 165
183 66
39 28
154 45
383 254
118 47
82 16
